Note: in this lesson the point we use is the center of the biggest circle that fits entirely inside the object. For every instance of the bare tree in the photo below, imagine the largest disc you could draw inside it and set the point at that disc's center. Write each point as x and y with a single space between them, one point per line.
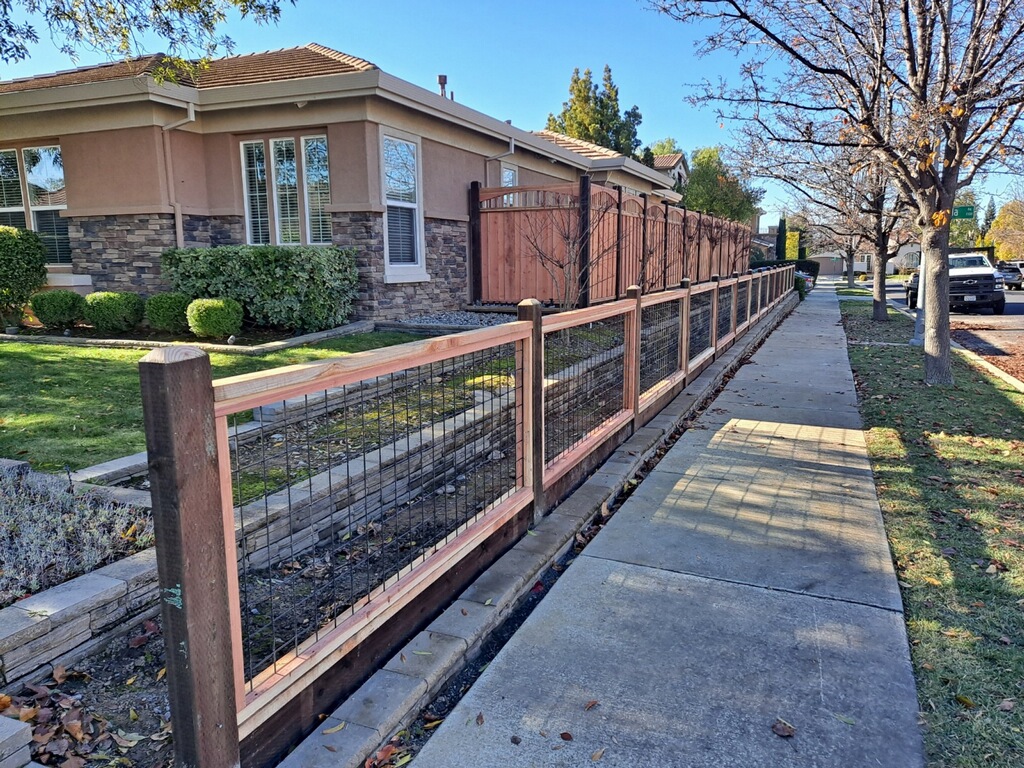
953 72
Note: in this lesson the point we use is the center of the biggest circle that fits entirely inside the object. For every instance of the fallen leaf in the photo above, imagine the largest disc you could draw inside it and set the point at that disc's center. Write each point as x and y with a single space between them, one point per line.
5 701
423 653
544 734
537 588
75 761
480 718
781 728
566 736
933 581
965 701
74 729
597 755
530 533
401 657
161 673
489 602
60 674
385 753
1006 705
464 612
432 724
27 713
329 748
403 760
844 719
335 729
516 740
133 715
590 705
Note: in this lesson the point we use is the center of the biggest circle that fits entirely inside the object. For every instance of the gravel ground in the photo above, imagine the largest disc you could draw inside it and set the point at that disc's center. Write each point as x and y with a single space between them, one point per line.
460 317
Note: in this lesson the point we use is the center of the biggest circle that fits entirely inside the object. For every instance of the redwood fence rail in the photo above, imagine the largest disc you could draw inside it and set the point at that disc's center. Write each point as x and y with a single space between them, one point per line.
581 245
310 518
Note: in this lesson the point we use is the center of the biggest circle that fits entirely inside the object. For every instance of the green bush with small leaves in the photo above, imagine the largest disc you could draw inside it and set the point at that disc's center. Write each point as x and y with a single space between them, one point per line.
22 270
58 309
114 312
166 312
305 288
214 318
801 286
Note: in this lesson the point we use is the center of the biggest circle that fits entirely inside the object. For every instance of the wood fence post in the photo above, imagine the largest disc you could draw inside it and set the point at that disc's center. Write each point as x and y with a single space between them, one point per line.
533 404
684 328
584 276
714 313
476 259
642 277
664 263
618 246
195 584
684 271
631 390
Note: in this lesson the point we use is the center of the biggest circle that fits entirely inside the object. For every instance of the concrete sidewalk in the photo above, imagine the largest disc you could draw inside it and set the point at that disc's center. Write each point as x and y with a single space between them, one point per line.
747 578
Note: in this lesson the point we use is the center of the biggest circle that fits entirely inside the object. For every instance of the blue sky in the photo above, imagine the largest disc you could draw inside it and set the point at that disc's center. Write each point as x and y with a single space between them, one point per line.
509 60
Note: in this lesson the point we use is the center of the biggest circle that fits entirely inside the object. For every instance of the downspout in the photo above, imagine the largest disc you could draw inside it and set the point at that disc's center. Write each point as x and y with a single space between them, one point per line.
179 227
510 151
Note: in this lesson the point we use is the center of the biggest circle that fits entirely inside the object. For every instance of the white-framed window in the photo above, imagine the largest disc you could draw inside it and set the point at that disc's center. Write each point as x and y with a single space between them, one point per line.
509 175
286 199
32 195
403 217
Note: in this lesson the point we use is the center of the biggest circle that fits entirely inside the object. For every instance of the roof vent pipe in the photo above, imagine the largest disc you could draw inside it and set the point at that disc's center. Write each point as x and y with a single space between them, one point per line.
442 81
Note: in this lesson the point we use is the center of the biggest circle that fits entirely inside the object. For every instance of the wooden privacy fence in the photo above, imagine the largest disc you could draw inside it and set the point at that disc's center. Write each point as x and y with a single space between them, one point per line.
310 518
581 245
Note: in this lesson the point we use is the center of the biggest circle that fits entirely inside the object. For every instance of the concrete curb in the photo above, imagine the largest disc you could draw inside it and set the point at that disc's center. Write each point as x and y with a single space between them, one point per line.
393 696
359 326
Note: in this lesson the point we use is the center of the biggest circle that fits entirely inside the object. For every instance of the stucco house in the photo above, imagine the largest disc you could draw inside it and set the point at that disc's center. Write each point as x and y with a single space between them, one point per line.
297 146
674 165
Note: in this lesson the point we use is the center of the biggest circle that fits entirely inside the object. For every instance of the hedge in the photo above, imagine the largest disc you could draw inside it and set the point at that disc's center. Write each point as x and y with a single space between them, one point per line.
214 318
22 270
304 288
166 312
112 312
58 309
810 266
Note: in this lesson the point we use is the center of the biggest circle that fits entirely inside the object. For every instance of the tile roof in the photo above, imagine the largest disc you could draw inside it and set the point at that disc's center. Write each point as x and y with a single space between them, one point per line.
579 146
661 162
310 60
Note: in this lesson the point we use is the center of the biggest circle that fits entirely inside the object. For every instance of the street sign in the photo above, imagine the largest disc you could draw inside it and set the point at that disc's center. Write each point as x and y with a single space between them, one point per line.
963 212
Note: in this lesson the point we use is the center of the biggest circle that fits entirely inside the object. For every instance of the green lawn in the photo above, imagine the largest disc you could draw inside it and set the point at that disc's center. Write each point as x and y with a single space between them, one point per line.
949 469
77 406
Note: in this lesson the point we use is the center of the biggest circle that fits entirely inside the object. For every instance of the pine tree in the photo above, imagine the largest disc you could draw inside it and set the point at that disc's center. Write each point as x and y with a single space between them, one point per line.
988 217
592 114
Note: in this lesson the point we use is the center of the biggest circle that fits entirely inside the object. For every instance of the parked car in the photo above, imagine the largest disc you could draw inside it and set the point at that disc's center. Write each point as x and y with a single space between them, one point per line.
808 279
1013 274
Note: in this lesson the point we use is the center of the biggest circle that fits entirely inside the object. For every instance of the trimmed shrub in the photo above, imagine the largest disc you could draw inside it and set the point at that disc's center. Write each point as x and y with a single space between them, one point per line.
113 312
22 270
304 288
214 318
58 309
801 286
166 312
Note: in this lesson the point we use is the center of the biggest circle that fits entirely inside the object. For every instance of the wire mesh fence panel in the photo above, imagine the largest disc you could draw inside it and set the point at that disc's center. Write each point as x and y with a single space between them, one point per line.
338 493
742 300
764 290
724 311
700 323
659 343
583 369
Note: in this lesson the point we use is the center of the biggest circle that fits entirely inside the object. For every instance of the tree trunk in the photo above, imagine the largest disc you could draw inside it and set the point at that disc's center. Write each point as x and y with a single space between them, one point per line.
879 306
850 258
938 366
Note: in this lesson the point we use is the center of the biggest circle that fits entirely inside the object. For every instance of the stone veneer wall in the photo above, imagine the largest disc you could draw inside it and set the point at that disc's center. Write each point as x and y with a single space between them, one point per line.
446 260
122 252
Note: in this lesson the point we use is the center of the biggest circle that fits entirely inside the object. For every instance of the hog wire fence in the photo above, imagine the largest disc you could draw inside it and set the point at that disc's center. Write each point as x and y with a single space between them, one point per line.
309 516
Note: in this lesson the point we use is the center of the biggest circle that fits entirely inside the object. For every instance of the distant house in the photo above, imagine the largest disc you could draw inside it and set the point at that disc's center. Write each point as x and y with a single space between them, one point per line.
297 146
674 166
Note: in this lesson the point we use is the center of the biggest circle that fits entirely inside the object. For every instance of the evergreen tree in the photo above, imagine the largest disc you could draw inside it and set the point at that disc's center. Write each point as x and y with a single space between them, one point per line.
988 217
592 114
780 240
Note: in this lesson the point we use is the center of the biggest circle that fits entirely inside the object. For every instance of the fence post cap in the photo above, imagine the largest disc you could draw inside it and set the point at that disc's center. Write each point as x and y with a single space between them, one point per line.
175 354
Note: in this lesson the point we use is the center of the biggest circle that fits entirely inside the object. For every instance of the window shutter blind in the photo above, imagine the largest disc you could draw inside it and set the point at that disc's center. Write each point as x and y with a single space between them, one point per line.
401 235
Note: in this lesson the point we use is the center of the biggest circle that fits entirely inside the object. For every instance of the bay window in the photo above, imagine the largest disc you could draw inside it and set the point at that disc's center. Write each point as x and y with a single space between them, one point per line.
32 196
403 222
285 200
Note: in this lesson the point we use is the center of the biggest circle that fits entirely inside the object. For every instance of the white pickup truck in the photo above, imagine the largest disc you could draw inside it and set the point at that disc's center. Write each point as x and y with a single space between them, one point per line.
973 284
